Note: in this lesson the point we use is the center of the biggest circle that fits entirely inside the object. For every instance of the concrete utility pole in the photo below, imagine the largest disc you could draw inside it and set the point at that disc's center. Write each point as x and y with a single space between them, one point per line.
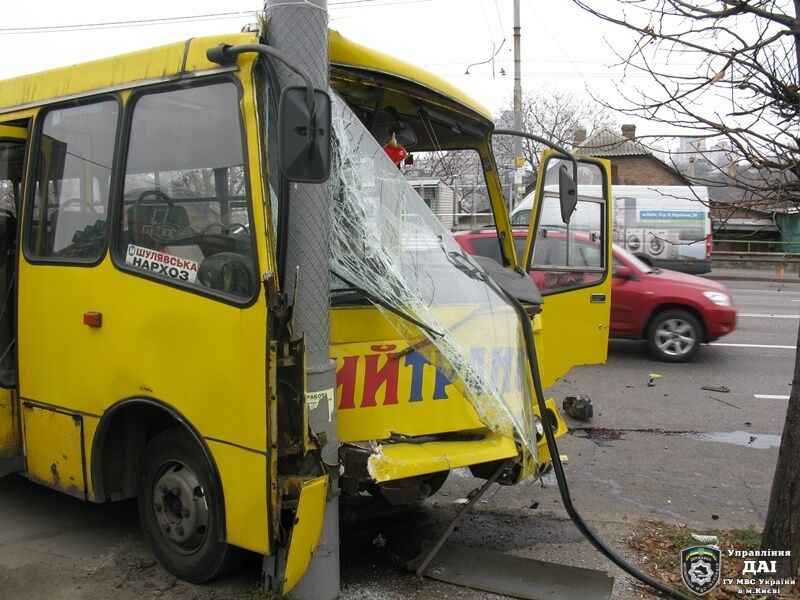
299 28
518 160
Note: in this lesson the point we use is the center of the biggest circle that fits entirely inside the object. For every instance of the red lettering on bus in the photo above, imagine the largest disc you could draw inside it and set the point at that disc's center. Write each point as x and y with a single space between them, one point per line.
374 378
346 379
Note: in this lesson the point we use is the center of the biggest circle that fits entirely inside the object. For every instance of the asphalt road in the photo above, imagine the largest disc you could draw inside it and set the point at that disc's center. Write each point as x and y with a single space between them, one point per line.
671 451
677 451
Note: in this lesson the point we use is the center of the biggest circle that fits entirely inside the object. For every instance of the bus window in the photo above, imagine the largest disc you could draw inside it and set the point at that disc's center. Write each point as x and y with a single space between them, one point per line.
566 257
70 200
185 215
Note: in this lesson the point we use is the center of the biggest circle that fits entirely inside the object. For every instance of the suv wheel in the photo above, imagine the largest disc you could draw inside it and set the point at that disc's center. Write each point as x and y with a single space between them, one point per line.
674 336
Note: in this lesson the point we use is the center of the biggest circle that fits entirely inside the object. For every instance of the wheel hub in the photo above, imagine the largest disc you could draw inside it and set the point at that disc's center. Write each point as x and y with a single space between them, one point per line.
180 507
675 337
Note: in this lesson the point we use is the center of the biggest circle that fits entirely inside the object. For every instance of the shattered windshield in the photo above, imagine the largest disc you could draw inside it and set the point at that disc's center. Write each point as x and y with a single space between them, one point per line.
388 245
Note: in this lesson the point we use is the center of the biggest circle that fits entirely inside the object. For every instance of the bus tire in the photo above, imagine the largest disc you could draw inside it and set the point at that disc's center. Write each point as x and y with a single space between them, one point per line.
177 494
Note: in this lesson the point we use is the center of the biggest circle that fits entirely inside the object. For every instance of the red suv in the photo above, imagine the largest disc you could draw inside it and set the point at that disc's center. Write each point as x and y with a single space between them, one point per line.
674 312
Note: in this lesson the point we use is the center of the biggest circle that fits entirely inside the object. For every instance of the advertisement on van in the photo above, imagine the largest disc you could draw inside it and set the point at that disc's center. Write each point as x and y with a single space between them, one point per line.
665 226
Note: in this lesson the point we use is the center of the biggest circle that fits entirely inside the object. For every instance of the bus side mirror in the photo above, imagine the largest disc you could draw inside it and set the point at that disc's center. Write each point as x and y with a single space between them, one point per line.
304 137
567 193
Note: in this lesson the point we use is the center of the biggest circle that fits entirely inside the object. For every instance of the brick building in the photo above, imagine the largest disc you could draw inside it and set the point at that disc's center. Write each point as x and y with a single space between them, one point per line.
631 162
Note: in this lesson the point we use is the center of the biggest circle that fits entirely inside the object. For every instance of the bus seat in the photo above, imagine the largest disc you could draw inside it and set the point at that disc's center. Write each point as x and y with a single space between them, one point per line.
155 225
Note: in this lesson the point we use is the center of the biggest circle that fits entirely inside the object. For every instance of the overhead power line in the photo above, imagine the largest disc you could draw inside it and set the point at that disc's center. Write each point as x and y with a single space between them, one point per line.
219 16
121 24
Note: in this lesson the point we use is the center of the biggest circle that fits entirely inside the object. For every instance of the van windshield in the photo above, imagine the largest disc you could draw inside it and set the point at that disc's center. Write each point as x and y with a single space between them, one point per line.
386 242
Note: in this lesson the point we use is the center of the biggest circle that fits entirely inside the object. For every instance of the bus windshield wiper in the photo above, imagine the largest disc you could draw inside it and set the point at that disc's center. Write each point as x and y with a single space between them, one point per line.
393 309
463 264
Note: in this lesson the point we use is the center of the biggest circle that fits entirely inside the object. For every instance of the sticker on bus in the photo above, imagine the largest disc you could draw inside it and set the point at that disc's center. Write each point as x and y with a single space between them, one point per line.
154 261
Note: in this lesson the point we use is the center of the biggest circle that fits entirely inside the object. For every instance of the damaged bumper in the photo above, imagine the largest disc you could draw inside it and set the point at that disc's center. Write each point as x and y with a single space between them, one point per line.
391 461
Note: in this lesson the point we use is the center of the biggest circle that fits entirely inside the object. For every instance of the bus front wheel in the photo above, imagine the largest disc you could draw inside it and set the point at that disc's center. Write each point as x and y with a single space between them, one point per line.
178 495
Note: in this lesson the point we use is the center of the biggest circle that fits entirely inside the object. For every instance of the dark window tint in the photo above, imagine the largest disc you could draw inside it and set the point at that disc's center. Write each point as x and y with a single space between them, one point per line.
490 247
185 214
487 246
73 173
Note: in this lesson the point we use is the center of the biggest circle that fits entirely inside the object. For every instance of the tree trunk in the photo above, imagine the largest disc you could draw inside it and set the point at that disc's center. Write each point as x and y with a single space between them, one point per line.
782 527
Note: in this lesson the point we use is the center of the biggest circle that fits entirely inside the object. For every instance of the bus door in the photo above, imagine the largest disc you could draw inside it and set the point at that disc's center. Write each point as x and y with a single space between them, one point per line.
12 153
569 262
63 243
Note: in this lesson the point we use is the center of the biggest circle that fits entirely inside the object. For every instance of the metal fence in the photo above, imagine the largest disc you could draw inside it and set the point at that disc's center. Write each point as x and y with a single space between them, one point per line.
754 246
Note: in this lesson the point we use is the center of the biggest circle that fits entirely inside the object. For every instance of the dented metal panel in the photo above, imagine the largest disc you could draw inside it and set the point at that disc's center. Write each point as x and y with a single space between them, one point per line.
306 531
54 449
398 461
9 433
389 462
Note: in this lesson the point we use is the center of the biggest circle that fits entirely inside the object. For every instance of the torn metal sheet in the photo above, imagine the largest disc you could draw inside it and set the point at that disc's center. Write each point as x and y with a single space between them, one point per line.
516 576
400 460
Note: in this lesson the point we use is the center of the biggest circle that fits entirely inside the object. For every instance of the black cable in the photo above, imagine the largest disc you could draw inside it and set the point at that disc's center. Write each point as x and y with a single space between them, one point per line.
558 468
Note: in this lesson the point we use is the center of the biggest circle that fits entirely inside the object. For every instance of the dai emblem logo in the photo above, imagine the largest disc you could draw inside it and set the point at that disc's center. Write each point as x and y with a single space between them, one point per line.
700 568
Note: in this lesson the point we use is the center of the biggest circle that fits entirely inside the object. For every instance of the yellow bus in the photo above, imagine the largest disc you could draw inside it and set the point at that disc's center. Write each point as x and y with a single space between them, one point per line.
144 352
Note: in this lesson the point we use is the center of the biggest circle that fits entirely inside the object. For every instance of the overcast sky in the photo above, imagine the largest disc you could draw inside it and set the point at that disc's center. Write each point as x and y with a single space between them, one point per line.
562 47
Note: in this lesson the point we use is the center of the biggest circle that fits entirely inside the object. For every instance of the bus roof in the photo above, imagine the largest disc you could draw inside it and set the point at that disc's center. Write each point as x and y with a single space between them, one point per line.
186 57
115 72
350 54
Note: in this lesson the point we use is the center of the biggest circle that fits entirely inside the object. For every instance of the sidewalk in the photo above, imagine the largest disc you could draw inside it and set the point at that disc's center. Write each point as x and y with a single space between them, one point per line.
734 274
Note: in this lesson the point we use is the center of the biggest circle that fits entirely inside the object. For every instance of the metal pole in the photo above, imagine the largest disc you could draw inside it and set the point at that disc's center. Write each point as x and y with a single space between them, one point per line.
518 160
300 29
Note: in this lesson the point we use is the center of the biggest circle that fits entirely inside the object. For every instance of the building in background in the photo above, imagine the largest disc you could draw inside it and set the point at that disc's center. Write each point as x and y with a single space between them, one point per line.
632 163
440 198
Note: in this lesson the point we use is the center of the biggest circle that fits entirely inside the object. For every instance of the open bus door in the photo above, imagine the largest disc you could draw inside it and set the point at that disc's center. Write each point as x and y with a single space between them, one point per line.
570 264
12 154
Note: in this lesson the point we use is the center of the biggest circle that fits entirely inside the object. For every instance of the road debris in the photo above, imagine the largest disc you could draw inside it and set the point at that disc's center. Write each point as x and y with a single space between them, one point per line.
578 407
724 402
652 381
720 388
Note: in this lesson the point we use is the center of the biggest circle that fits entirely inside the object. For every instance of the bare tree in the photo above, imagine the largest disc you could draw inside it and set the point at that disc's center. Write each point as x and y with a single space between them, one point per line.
555 115
743 87
460 169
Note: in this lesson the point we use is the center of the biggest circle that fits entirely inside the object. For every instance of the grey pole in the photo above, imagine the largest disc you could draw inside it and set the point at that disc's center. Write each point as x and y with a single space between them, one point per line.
517 98
300 29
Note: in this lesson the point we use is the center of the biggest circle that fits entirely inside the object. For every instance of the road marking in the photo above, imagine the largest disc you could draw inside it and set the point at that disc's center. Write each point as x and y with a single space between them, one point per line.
769 316
762 291
769 397
752 346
